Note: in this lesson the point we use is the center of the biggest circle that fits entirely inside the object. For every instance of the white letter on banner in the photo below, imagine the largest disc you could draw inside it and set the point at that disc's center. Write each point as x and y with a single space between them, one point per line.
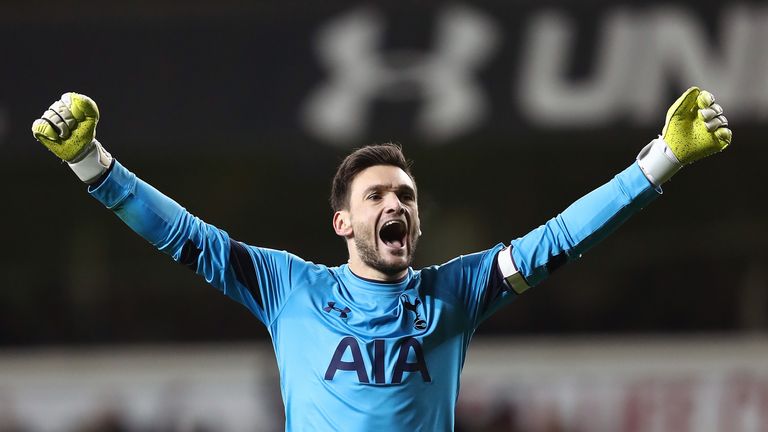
454 103
683 54
548 98
641 55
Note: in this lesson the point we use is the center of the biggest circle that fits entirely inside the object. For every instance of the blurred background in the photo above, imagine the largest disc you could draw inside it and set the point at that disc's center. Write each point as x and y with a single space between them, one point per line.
511 110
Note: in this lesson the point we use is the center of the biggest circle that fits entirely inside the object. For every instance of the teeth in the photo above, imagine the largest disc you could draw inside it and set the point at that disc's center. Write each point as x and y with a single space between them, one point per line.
391 222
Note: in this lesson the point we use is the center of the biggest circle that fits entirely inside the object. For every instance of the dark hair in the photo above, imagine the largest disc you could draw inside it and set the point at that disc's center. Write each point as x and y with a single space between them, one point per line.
359 160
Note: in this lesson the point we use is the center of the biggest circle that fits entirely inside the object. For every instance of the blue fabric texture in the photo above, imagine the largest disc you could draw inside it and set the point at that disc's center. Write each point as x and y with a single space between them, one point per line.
582 225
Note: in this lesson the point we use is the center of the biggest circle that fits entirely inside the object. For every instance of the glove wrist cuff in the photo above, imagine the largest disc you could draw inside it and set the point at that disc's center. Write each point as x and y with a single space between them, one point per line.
658 162
93 164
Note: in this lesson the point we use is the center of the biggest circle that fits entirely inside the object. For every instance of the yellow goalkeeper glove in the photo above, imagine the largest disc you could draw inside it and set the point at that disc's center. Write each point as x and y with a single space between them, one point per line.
695 126
68 129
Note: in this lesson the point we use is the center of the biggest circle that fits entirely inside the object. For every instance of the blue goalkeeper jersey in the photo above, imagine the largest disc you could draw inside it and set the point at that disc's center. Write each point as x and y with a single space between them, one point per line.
356 354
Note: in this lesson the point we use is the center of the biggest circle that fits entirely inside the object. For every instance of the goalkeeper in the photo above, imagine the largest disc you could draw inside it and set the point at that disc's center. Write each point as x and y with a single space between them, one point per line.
374 344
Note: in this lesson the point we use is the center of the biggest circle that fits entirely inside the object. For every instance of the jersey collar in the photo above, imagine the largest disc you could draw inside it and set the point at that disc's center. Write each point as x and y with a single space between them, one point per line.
374 286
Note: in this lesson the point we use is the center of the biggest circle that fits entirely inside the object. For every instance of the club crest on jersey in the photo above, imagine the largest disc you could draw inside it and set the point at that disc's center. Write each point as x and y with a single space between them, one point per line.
418 322
343 312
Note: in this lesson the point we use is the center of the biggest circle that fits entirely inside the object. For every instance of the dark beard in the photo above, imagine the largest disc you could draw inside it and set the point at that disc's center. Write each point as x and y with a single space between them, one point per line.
370 255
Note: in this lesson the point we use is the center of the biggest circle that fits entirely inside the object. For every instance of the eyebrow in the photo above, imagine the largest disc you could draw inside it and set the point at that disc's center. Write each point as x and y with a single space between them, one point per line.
378 187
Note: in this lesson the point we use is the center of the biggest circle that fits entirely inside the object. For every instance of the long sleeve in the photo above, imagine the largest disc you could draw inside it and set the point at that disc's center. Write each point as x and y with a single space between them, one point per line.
582 225
259 278
165 224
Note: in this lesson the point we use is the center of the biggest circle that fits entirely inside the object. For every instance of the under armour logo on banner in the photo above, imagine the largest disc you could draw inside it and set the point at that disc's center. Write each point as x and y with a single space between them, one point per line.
453 101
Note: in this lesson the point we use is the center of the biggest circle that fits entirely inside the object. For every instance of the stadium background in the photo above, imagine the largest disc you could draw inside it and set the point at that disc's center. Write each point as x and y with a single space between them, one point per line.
510 111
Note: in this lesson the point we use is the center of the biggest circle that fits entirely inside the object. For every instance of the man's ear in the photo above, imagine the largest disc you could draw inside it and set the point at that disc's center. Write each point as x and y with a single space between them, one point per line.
342 223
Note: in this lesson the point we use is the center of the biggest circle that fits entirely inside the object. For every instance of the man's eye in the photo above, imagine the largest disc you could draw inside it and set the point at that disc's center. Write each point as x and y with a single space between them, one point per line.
374 196
408 197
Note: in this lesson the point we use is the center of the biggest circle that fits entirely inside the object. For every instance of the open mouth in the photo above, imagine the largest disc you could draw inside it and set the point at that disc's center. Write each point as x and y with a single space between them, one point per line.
393 233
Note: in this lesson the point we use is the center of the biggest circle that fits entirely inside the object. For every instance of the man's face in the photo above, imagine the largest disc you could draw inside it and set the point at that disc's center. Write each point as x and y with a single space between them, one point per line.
384 216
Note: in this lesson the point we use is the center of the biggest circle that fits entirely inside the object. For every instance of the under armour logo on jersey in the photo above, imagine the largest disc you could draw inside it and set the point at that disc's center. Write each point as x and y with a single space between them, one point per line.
342 312
453 101
418 323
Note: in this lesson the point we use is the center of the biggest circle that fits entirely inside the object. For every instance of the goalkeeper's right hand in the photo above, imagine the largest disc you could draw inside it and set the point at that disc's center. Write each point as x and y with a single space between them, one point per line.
68 129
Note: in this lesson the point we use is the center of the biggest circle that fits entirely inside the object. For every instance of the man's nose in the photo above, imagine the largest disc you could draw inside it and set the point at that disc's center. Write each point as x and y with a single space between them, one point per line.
394 205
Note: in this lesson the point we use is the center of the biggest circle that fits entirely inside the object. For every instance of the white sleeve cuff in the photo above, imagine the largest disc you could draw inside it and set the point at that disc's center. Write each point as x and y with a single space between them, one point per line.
93 164
509 271
658 162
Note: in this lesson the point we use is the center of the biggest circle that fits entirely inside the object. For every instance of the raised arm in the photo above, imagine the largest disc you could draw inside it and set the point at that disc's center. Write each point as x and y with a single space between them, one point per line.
253 276
694 128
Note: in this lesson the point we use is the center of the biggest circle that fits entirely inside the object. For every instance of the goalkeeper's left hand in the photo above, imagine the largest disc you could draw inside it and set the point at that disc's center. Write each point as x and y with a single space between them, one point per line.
695 128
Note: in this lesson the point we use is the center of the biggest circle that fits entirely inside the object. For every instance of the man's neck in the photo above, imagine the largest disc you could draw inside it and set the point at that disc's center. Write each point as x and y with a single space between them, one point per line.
365 271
